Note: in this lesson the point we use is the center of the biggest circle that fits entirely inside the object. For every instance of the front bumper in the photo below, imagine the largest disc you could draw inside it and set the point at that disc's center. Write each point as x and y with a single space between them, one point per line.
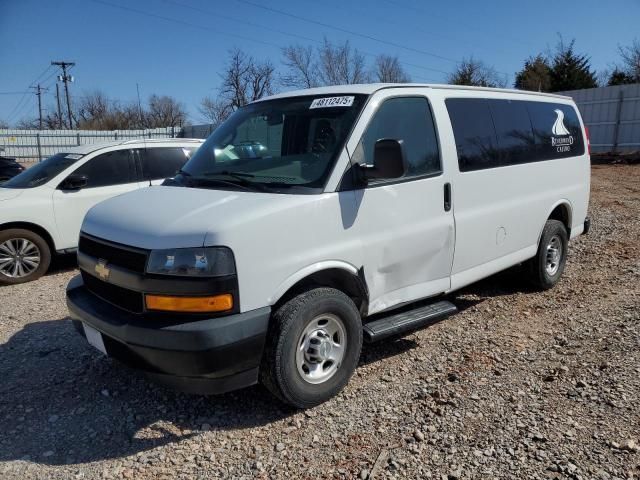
203 355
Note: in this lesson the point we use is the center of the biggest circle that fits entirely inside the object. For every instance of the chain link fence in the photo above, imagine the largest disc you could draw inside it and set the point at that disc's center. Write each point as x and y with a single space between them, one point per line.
36 145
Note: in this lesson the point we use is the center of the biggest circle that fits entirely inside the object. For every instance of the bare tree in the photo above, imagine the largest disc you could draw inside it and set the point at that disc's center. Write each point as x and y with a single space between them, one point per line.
387 69
94 110
301 65
28 124
165 111
631 60
3 124
340 64
475 73
245 80
215 110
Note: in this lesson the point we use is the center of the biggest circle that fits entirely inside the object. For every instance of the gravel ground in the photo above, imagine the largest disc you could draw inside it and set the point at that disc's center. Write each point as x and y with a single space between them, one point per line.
520 384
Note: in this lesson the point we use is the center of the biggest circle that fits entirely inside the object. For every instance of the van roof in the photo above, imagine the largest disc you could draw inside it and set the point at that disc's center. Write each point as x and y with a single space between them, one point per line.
92 147
369 88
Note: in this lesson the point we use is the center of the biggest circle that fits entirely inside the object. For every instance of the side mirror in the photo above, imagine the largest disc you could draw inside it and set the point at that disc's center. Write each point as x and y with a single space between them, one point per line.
388 160
73 182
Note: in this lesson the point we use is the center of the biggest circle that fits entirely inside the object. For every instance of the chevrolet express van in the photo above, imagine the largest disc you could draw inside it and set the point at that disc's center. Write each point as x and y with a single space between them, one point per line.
307 219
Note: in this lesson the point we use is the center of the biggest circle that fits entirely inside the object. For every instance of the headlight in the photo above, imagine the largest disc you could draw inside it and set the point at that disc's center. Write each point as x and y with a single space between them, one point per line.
199 262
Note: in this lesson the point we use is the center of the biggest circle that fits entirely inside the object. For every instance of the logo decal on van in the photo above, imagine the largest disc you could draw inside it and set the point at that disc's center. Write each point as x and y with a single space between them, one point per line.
562 138
558 127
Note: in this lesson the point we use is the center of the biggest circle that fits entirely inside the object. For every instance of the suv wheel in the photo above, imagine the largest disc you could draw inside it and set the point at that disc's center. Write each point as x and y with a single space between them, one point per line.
24 256
547 266
313 347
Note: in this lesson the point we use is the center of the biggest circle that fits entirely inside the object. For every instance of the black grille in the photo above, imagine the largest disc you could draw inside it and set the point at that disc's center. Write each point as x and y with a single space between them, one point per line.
126 257
120 297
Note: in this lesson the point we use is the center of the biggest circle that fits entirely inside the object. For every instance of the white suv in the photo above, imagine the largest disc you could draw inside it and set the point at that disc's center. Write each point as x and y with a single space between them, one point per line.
41 209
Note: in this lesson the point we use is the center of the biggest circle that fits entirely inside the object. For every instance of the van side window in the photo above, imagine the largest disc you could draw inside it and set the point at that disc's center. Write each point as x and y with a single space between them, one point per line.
111 168
513 132
494 133
408 119
557 130
474 133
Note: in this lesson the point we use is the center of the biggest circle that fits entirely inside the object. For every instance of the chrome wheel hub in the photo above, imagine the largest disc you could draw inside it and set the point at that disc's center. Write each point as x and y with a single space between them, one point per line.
554 255
321 348
19 257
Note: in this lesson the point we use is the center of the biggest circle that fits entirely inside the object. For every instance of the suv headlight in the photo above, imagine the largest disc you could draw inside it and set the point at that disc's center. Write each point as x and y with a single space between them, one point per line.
198 262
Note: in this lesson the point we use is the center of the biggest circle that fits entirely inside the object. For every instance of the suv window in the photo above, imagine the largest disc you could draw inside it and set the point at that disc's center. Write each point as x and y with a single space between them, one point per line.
165 162
408 119
111 168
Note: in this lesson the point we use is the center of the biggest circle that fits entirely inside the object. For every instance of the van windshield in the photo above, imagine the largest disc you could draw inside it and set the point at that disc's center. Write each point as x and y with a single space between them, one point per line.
42 172
284 145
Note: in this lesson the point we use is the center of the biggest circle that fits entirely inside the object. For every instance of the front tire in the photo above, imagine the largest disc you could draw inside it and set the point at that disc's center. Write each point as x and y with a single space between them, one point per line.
547 266
313 347
24 256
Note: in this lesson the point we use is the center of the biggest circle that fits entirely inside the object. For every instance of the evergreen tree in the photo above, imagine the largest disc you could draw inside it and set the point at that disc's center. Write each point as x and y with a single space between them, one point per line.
570 70
619 77
535 75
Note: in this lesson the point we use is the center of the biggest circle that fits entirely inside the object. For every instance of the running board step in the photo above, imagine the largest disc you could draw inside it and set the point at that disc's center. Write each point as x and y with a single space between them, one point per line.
407 321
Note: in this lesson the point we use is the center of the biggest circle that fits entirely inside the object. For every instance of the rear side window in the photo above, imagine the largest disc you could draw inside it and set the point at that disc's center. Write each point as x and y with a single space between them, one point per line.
496 133
112 168
557 130
513 132
408 119
158 163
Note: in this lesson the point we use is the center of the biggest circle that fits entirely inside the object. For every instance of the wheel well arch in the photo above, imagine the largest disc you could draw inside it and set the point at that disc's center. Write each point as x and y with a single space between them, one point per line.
562 212
35 229
353 285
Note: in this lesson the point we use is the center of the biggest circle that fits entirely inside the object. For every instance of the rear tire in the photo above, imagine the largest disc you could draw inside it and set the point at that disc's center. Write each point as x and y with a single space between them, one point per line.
24 256
313 347
545 269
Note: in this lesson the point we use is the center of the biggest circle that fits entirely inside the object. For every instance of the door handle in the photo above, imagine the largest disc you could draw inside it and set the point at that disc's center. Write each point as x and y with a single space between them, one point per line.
447 197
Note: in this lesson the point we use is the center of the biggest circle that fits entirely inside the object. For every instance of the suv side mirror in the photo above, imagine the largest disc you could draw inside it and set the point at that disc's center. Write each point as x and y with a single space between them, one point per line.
388 160
73 182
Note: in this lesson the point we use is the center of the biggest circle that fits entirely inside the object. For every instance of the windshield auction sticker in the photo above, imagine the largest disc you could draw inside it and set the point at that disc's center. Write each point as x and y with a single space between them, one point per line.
332 102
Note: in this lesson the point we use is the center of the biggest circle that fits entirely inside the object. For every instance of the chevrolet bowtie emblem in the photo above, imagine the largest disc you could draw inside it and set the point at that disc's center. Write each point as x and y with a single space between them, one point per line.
102 270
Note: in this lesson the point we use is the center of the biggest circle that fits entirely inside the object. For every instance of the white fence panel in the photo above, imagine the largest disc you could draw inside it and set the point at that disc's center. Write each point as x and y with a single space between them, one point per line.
35 145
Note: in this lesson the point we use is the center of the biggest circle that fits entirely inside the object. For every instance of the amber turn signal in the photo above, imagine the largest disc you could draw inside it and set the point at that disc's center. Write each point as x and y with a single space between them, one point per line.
216 303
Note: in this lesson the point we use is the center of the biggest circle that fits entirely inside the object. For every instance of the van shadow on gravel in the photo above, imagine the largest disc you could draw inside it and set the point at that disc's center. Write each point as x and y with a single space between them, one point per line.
62 403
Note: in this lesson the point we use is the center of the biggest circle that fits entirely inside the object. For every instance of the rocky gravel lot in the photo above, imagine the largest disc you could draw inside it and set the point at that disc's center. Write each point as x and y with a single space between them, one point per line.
520 384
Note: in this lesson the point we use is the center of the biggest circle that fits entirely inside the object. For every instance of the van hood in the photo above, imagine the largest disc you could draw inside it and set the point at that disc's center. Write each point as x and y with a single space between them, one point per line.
180 217
9 193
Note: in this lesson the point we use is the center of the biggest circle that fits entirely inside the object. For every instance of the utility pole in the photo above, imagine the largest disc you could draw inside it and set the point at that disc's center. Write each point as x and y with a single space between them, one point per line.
39 91
66 79
59 109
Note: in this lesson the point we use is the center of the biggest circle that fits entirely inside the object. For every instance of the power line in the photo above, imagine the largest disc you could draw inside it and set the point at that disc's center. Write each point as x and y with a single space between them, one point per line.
14 93
347 31
182 22
282 32
20 105
433 14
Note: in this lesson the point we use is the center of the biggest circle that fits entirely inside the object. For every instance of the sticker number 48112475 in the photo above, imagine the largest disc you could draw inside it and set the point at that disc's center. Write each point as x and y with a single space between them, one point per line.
332 102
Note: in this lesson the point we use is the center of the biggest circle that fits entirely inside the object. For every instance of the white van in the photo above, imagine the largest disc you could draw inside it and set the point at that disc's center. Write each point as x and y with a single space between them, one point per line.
41 209
308 218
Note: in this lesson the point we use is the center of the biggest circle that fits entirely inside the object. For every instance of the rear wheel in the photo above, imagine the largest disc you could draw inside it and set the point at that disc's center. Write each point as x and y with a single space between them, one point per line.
547 266
24 256
312 348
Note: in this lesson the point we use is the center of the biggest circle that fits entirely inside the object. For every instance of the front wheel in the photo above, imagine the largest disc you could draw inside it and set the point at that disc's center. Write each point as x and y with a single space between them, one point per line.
24 256
547 266
313 347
